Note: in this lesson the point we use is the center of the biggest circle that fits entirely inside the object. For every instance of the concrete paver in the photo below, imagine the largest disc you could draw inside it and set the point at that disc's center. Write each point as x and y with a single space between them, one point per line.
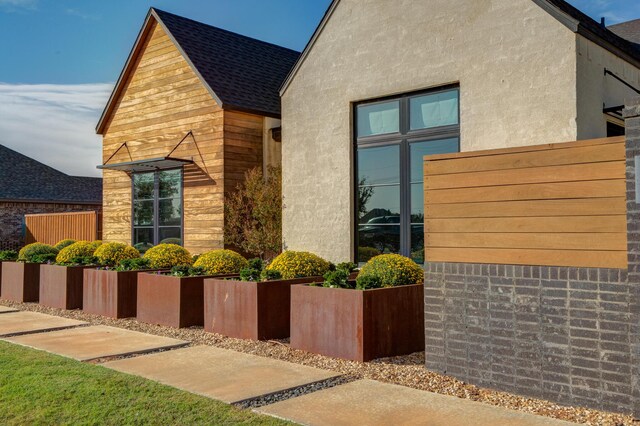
88 343
220 374
367 402
6 309
14 323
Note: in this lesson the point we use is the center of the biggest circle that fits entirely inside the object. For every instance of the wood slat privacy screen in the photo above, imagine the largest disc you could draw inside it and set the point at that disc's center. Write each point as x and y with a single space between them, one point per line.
51 228
553 205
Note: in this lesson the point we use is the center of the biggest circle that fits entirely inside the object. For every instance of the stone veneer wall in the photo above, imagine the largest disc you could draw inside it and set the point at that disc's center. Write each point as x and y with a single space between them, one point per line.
12 219
569 335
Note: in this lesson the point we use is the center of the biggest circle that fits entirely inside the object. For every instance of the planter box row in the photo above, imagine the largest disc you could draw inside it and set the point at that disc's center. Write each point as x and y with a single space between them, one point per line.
351 324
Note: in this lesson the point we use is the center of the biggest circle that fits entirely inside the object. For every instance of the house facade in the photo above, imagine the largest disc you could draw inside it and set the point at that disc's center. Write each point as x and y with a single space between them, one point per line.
30 187
194 109
381 84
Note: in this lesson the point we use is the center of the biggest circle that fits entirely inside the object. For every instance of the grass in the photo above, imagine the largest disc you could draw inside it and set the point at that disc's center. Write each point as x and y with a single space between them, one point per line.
44 389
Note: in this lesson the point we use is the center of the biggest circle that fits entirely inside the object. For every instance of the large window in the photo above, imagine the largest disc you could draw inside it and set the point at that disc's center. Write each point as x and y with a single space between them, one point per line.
157 207
392 137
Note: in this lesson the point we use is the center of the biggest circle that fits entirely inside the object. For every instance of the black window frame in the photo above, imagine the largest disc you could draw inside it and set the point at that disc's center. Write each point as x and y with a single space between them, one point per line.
156 205
404 138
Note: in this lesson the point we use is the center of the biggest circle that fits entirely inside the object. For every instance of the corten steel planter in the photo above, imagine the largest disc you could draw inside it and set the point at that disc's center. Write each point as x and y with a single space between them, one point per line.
172 301
249 309
61 286
358 325
20 282
111 294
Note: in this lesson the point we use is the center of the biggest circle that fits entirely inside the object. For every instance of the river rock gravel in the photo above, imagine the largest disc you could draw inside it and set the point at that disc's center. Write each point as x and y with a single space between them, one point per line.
405 370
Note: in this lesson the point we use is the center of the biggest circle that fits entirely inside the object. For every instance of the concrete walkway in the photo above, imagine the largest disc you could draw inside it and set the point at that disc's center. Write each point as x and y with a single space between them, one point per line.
236 377
6 309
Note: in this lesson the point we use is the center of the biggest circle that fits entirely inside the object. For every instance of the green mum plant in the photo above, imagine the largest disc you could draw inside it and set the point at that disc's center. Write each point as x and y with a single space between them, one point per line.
166 256
8 255
389 270
299 264
64 243
78 253
111 254
217 262
37 253
256 271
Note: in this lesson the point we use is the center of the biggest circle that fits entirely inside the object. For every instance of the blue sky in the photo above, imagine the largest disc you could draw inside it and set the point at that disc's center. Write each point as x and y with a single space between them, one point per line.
59 59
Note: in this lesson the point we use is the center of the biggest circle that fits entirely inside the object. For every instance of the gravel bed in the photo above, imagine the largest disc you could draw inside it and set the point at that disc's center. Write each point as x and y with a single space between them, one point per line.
405 370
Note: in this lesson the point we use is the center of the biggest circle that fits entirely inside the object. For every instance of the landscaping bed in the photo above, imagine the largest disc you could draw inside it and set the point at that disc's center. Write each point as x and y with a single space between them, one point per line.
61 286
405 370
20 281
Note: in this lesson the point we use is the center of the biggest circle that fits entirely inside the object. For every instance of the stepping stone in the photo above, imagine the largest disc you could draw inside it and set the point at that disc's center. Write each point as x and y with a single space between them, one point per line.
90 343
23 322
367 402
6 309
221 374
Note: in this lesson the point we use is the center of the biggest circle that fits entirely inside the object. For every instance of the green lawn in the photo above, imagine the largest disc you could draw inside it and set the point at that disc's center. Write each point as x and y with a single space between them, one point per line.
40 388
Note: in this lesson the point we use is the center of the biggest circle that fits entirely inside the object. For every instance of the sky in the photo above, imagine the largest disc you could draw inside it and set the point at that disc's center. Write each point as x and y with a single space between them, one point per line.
59 60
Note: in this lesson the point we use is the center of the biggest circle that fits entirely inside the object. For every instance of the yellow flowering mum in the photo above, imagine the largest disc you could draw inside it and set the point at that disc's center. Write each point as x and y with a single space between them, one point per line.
76 250
298 264
392 270
165 256
112 254
216 262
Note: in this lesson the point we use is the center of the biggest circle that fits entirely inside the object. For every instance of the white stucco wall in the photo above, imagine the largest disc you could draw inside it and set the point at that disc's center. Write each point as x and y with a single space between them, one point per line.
515 64
596 89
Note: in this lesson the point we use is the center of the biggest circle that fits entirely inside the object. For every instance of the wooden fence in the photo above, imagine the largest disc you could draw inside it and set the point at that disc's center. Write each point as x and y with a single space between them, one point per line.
554 205
51 228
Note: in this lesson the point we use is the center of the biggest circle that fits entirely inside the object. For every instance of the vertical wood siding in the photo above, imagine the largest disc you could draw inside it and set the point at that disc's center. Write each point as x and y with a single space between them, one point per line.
552 205
54 227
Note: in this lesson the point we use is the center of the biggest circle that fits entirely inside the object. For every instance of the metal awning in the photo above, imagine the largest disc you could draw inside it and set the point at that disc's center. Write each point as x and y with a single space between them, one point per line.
150 165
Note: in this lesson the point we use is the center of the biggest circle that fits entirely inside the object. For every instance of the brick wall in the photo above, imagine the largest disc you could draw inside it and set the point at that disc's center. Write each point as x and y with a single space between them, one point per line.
570 335
12 219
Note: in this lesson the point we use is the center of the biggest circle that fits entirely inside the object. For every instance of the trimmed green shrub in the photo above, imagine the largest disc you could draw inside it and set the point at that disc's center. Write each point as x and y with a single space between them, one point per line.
30 251
143 247
64 243
216 262
8 255
166 256
389 270
111 254
80 252
366 253
299 264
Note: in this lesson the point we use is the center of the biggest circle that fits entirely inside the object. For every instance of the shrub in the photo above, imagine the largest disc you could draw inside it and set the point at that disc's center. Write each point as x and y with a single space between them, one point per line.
176 241
253 214
8 255
299 264
111 254
216 262
366 253
30 251
389 270
44 258
256 271
339 277
79 252
142 247
137 264
64 243
187 271
165 256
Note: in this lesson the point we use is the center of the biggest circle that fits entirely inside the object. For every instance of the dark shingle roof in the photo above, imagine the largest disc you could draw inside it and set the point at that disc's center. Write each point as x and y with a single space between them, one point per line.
244 73
23 178
629 30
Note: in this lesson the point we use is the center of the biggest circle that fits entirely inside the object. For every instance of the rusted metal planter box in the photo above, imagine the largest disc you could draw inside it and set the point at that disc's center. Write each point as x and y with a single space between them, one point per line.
20 282
358 325
110 293
61 286
249 309
172 301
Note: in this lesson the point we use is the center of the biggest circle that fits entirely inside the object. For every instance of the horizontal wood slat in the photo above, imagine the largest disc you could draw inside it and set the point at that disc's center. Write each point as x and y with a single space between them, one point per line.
552 205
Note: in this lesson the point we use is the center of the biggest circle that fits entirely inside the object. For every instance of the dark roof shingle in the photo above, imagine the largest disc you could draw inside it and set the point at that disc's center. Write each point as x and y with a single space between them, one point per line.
629 30
23 178
244 73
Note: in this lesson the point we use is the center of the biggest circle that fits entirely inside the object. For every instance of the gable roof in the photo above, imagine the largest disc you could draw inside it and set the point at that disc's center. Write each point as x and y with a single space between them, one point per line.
25 179
241 73
571 17
629 30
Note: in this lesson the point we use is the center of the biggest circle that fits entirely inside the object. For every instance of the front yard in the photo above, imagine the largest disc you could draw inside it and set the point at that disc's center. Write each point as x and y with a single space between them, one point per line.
40 388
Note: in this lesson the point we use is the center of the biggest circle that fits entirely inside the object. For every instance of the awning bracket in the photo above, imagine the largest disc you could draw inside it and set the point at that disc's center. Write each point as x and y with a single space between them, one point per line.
114 154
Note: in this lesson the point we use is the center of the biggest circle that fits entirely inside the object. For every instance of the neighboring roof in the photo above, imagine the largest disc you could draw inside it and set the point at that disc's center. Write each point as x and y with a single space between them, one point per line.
240 72
568 15
629 30
25 179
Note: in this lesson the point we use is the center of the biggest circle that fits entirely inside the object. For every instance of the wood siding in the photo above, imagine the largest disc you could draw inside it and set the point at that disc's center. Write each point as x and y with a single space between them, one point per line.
54 227
162 100
552 205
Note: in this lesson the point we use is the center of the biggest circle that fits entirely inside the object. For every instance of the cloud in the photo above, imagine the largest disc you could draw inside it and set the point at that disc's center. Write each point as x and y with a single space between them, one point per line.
80 14
55 124
18 5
